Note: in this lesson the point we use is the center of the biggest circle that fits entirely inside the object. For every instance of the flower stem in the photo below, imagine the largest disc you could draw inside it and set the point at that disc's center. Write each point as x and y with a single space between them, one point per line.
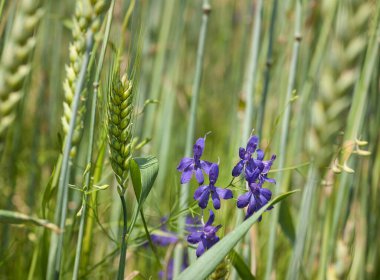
123 251
178 253
248 89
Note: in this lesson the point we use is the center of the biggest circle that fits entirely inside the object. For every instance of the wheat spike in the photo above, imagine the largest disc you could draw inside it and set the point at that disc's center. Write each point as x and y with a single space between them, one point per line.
331 106
87 18
15 62
120 112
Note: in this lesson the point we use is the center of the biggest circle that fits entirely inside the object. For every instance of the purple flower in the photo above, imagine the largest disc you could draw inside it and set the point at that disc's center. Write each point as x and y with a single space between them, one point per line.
203 193
245 155
189 166
253 170
205 238
267 166
256 173
192 224
257 169
255 198
163 237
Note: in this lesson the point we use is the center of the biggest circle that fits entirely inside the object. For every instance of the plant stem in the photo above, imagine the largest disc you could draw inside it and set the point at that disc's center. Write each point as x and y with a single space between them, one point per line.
284 136
159 63
91 142
55 253
303 224
248 89
354 123
123 252
268 65
98 168
206 9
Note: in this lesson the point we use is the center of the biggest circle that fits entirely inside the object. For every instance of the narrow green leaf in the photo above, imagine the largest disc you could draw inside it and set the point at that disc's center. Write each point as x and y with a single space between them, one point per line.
240 266
12 217
143 174
286 222
51 187
136 178
206 264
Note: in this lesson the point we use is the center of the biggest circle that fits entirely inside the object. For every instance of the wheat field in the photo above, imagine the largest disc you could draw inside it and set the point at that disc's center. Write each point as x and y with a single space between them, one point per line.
205 139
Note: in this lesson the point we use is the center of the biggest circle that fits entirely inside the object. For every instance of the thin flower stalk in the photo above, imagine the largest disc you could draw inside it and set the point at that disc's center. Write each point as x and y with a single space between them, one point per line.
249 86
184 195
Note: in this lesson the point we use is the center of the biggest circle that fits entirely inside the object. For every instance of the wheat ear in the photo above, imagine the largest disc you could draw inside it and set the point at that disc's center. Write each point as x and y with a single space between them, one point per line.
15 63
330 109
120 112
87 18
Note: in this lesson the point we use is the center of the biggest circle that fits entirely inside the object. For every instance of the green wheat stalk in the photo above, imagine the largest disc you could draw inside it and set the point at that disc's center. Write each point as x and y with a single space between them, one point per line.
284 135
86 24
90 144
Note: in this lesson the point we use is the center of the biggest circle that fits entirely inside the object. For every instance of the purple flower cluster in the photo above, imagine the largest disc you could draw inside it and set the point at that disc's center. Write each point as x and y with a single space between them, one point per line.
255 171
190 166
206 236
256 174
202 194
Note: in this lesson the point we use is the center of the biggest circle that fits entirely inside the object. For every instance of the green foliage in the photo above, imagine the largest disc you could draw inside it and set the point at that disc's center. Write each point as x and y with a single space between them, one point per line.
302 75
241 267
143 174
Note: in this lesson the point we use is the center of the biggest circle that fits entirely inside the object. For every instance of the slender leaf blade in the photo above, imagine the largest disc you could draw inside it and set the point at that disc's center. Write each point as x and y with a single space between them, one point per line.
206 264
143 174
286 222
148 169
12 217
240 266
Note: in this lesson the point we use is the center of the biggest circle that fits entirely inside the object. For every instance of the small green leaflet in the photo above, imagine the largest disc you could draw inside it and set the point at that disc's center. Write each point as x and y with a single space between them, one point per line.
143 174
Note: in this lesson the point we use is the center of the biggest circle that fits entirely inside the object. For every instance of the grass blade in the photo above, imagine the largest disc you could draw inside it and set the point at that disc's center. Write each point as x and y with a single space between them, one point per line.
205 265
